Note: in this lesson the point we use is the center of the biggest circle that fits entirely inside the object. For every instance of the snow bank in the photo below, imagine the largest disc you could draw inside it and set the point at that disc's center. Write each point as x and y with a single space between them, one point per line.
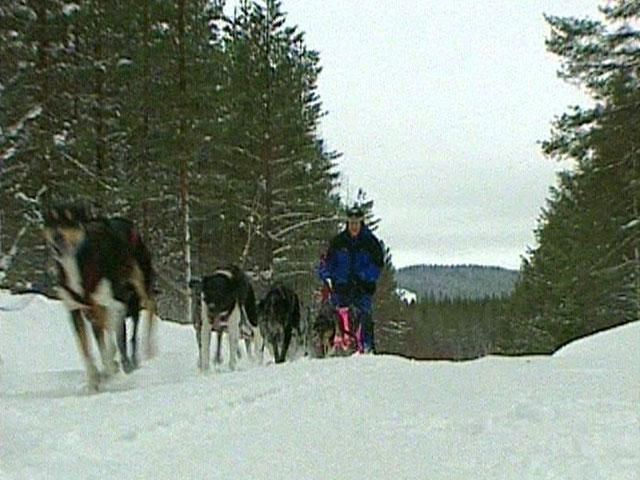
615 344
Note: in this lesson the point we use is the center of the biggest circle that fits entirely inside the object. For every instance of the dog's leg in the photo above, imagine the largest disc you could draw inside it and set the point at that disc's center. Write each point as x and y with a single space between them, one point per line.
150 337
258 344
102 333
233 333
205 340
121 339
128 362
296 347
134 339
83 346
197 325
218 358
329 346
276 350
149 304
117 322
269 343
133 310
285 345
246 331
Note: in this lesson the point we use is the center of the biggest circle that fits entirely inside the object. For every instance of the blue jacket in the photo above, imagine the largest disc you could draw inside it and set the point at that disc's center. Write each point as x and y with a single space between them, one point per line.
353 264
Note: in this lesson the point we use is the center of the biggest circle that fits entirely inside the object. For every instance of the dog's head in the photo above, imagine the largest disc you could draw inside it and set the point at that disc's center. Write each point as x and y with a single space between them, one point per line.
217 292
64 227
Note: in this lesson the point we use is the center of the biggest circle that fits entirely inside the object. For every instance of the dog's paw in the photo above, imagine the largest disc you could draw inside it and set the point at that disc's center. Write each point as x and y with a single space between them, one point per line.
92 385
110 369
203 367
128 366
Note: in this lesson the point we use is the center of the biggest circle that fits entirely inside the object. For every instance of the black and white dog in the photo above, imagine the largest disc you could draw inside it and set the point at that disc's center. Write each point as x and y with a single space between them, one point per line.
227 304
103 271
279 320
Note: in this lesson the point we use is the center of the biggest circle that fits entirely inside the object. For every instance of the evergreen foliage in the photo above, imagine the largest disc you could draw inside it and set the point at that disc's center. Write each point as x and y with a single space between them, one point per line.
392 330
584 274
460 329
200 126
462 312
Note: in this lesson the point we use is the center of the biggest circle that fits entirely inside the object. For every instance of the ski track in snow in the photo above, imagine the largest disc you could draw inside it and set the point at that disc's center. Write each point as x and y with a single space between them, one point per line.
571 416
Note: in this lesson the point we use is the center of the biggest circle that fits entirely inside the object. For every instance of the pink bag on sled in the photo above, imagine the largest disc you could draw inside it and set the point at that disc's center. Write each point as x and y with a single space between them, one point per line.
345 340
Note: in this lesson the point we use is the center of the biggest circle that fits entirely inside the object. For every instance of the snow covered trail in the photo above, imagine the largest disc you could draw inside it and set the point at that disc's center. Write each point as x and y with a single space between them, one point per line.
571 416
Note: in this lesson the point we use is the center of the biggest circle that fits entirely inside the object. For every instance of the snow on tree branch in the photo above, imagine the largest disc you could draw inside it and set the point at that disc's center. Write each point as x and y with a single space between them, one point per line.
297 226
88 172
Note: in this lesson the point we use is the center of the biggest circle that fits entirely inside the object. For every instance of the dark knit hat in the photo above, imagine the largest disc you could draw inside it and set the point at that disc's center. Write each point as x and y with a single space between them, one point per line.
355 213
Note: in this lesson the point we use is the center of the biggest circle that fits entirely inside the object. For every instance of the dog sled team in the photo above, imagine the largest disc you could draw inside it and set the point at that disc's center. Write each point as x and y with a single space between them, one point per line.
105 275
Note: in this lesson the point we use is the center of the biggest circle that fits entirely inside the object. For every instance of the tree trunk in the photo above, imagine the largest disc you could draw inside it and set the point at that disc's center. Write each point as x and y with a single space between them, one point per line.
183 158
100 128
43 72
145 114
267 155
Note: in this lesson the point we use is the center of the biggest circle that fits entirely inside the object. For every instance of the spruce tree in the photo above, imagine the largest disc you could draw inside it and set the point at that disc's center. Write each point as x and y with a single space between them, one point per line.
583 275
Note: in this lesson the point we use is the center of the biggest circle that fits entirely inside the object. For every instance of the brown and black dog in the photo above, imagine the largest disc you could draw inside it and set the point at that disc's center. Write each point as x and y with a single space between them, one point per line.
104 272
323 330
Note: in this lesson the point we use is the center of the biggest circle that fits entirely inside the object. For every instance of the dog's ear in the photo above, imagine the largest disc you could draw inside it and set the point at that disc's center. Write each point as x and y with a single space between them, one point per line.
67 214
50 216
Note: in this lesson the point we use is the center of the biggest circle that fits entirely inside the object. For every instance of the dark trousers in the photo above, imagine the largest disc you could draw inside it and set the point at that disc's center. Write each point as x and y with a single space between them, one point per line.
368 338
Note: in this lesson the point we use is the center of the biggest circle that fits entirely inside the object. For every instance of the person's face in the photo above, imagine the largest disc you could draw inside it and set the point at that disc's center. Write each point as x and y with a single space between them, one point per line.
354 227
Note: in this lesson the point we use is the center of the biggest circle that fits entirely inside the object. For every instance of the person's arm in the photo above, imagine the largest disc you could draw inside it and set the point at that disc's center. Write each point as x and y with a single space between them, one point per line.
377 253
370 269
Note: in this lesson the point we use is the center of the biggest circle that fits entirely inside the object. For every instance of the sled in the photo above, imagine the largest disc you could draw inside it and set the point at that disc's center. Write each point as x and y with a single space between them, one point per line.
347 339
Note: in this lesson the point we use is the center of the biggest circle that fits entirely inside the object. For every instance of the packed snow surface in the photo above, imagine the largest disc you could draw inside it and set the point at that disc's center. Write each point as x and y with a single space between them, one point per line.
574 415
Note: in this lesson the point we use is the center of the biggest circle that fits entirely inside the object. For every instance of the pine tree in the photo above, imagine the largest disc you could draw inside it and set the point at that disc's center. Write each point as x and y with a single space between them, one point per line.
36 48
584 274
175 116
280 169
392 328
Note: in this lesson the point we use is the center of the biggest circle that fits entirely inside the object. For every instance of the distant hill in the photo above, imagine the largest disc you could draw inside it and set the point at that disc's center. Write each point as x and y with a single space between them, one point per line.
456 281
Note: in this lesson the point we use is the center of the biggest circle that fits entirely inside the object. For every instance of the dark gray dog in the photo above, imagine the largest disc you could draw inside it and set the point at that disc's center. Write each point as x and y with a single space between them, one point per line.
279 320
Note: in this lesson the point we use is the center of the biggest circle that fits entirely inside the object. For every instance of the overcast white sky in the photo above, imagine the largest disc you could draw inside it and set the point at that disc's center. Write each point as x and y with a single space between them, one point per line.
437 107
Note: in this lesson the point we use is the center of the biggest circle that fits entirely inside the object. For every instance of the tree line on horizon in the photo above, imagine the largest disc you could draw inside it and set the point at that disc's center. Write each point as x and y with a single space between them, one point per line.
443 282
